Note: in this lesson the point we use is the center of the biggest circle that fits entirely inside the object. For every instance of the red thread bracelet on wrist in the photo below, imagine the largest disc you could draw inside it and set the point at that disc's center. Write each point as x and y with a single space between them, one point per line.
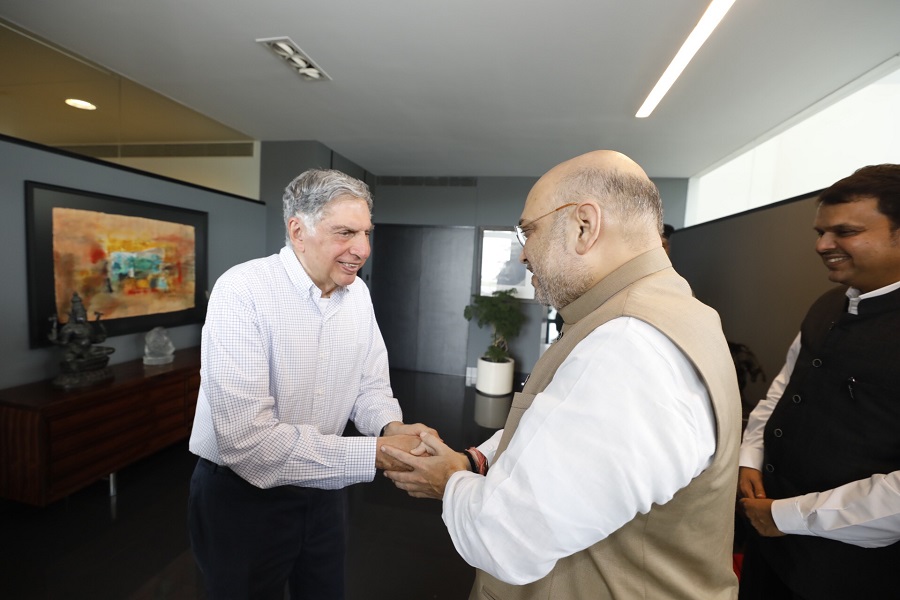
480 460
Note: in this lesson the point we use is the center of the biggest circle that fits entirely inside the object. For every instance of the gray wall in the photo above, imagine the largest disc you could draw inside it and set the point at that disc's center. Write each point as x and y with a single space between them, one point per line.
236 233
759 270
674 197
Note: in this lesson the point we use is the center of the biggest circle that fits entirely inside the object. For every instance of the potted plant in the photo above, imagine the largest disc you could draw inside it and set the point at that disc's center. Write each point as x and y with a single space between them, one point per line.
503 313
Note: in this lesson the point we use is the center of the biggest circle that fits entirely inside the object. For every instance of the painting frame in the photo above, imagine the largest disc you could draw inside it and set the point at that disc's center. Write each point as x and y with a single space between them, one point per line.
40 201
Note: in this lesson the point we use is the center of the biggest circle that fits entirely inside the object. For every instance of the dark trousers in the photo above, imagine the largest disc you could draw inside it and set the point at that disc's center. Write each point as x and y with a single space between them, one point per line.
758 580
250 542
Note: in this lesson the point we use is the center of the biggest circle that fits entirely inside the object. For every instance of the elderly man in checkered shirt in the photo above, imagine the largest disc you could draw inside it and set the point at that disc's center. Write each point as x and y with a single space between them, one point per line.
291 352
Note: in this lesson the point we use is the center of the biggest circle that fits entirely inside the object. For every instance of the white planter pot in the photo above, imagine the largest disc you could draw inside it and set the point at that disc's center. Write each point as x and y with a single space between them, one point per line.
495 379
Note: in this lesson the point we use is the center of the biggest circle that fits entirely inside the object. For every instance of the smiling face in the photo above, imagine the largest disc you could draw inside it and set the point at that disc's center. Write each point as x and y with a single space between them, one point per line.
337 247
857 245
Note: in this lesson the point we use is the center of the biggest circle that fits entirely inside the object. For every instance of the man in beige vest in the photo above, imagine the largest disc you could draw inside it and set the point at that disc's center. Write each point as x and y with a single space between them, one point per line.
615 476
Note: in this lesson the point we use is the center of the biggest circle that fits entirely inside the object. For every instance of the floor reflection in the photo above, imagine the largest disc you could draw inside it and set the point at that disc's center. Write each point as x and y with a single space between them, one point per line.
84 546
491 411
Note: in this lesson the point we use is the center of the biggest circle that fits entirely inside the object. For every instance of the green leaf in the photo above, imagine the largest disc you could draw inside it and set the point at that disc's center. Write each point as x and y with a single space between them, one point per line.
502 312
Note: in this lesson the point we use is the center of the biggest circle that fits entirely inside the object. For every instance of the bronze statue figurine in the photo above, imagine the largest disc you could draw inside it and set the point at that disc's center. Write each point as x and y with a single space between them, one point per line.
83 363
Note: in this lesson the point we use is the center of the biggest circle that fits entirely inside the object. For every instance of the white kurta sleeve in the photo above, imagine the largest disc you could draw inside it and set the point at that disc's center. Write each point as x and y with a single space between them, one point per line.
864 513
624 424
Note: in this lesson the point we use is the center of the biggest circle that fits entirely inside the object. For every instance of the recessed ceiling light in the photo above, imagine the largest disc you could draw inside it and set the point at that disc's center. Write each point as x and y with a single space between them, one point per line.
705 26
82 104
282 48
298 61
310 73
296 58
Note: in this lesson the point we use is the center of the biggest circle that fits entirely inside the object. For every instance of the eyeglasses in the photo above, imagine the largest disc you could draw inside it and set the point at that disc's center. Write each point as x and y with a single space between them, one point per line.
522 235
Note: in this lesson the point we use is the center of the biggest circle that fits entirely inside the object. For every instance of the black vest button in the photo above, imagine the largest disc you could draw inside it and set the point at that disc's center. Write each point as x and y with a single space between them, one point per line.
778 433
770 468
796 398
817 362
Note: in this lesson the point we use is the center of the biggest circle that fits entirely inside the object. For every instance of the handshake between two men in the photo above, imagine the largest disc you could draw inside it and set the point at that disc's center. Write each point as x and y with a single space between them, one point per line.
417 460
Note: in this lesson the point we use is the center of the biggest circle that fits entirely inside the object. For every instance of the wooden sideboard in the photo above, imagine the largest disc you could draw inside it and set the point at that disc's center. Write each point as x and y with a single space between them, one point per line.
54 442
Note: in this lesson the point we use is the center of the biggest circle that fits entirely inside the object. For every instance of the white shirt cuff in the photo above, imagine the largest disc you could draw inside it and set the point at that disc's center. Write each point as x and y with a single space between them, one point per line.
751 457
788 518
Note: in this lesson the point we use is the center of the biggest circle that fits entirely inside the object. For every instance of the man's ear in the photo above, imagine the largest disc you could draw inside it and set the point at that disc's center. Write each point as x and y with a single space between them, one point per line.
297 232
589 218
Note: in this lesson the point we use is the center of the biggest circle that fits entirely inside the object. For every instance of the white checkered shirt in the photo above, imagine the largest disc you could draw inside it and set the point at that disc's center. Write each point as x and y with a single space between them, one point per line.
281 377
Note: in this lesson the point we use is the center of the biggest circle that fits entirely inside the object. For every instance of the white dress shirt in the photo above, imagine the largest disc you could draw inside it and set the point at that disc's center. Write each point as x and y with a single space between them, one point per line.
864 513
283 371
625 423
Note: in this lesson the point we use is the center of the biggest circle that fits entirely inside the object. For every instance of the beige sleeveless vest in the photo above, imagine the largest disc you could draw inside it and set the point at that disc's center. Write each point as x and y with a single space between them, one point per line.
682 549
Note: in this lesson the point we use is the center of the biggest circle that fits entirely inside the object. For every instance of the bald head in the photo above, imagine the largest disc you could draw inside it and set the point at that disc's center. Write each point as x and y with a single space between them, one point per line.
612 214
599 164
603 160
630 201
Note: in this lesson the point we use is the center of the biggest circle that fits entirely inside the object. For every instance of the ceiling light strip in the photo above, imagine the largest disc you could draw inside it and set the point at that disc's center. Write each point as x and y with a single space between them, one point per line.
708 22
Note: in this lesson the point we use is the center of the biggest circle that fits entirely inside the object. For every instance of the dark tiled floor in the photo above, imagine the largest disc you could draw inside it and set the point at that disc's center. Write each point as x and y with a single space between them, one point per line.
135 547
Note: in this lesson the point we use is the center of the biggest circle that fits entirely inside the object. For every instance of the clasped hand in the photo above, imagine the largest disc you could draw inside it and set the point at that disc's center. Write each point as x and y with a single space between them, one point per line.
427 468
402 437
754 503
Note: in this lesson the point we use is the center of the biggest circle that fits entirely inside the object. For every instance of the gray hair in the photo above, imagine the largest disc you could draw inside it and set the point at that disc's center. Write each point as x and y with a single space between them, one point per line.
635 200
311 191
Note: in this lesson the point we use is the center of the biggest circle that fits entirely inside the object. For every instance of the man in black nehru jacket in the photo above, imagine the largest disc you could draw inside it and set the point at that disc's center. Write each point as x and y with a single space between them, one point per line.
820 460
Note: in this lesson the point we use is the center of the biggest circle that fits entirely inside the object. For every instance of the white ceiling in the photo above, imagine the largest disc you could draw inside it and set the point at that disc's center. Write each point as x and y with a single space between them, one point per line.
482 87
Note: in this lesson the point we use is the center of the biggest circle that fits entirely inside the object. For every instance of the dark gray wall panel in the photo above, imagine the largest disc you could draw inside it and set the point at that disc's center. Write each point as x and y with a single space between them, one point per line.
396 267
760 271
421 277
445 280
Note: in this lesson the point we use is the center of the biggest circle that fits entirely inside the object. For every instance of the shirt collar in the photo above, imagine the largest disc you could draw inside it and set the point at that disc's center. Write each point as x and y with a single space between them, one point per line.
301 279
855 297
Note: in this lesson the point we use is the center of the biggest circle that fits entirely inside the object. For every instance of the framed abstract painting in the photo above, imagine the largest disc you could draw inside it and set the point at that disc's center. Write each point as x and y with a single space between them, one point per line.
135 265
